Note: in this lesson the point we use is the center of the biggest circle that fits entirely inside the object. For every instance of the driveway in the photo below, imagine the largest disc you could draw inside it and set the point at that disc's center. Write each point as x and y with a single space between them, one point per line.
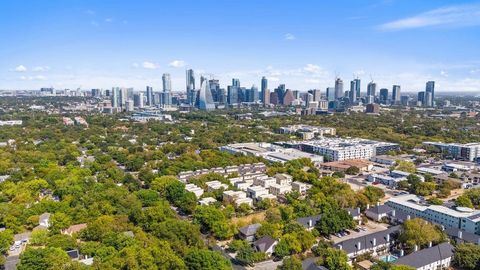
267 265
11 262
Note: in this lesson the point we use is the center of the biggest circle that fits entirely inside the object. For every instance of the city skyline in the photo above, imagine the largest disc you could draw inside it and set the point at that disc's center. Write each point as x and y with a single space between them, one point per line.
119 44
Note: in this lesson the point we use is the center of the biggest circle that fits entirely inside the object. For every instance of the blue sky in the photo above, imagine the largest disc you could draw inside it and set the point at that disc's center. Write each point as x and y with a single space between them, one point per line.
305 44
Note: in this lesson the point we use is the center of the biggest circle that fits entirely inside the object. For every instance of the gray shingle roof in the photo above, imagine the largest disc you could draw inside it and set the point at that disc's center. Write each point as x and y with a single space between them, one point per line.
264 243
73 254
401 215
250 229
313 266
305 220
381 209
366 241
353 212
466 236
427 256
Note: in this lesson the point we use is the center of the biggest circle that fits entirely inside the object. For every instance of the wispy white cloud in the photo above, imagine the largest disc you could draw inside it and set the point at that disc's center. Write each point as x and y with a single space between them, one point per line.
108 20
94 23
450 16
90 12
20 68
312 81
311 68
33 78
443 73
177 63
289 36
150 65
41 68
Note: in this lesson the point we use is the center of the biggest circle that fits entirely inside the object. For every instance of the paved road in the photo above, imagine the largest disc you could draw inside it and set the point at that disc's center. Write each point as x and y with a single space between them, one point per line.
11 262
267 265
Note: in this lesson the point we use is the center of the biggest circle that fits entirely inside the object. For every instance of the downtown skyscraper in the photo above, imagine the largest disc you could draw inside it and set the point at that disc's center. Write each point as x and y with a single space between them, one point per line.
205 99
430 94
149 96
166 96
338 88
191 91
263 89
395 94
371 89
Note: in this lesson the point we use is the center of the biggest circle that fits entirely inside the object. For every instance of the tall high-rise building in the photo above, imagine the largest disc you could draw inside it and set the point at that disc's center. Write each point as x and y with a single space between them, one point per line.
166 96
357 87
123 97
149 96
428 99
216 91
236 82
263 88
371 89
405 100
338 88
383 97
138 100
205 100
167 82
395 94
251 94
288 98
280 91
191 92
421 98
316 93
274 98
353 91
266 97
115 97
430 88
330 93
232 94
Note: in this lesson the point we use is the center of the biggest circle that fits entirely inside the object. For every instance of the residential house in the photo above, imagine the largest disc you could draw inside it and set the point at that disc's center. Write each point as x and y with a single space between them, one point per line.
256 191
283 179
248 232
207 201
309 222
266 244
432 258
73 254
460 236
378 212
300 187
277 189
355 213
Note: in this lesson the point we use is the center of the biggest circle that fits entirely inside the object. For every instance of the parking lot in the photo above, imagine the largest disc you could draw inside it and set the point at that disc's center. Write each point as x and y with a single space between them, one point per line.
370 227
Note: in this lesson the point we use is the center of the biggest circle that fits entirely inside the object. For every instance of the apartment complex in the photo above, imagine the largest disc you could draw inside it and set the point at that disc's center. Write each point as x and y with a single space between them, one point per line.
460 217
270 152
468 151
337 149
